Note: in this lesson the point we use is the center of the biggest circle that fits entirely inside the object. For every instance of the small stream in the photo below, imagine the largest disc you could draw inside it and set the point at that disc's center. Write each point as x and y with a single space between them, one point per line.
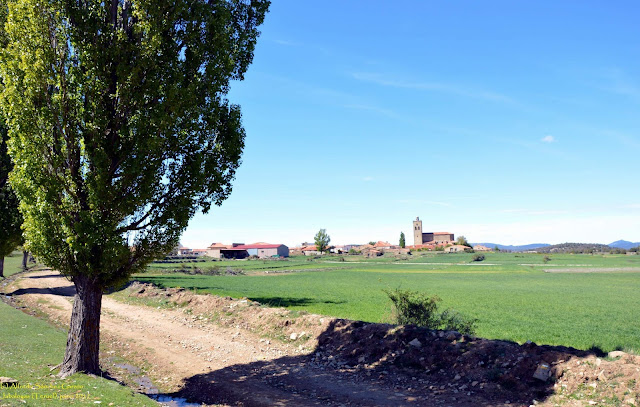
146 386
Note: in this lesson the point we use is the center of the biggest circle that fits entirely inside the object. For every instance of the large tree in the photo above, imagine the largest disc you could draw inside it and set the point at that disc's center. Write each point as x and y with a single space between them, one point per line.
10 218
120 130
322 240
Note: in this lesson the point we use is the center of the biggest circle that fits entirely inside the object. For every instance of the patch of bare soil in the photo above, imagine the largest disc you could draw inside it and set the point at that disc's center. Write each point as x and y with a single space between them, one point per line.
215 350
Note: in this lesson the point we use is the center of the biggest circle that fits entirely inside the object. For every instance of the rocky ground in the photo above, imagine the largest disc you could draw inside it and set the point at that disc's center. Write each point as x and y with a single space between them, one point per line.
223 351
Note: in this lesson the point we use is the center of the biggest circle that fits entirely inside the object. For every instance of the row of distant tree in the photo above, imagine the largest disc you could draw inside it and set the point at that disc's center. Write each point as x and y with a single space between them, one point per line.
584 248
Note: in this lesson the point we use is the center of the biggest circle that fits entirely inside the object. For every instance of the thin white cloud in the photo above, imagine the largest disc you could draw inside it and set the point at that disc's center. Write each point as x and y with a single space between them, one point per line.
367 179
548 139
435 86
287 43
375 109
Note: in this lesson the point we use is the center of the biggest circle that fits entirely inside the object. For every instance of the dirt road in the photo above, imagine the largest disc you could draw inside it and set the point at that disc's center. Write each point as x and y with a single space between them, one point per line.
230 362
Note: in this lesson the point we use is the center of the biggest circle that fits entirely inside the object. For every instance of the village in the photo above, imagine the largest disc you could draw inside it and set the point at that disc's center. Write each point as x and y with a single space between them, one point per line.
422 241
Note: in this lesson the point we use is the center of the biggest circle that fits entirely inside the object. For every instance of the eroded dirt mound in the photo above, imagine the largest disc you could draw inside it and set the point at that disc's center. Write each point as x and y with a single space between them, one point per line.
501 370
271 323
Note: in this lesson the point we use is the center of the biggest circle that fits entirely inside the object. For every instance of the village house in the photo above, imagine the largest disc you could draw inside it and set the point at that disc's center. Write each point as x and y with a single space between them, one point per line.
481 248
380 245
456 248
311 250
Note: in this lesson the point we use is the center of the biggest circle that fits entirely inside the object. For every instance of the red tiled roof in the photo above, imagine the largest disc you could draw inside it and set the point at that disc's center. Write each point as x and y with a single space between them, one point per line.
380 243
218 245
442 233
309 248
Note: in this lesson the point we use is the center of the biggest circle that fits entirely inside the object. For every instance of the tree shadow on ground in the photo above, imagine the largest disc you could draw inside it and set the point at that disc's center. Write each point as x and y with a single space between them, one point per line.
365 364
274 301
165 281
45 276
65 291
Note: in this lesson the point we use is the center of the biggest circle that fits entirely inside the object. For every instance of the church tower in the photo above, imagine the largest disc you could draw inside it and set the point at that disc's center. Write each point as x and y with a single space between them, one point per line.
417 232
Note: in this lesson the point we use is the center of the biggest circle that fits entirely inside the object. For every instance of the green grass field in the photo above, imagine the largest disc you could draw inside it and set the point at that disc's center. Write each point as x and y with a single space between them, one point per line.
27 346
13 263
509 293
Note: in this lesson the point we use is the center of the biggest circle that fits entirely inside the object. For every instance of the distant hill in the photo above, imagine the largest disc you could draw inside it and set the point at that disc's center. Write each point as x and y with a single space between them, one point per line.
521 248
624 244
575 248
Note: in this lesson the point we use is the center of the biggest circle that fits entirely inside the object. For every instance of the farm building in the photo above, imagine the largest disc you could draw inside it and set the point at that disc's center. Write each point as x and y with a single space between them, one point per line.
184 251
264 250
241 250
214 249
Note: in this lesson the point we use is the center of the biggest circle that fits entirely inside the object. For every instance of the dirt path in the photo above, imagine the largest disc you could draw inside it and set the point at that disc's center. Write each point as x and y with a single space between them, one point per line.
218 365
230 363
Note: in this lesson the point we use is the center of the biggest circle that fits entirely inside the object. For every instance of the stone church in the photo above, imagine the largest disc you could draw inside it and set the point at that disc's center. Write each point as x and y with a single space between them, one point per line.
430 238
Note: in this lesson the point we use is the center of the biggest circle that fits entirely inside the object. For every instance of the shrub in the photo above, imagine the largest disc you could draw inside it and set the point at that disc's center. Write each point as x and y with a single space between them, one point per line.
477 257
415 308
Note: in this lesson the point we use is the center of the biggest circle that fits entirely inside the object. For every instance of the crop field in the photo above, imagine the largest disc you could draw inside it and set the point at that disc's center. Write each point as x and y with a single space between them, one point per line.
514 296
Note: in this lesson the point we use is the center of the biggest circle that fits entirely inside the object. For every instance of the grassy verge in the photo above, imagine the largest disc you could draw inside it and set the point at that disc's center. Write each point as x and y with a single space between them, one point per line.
13 263
28 346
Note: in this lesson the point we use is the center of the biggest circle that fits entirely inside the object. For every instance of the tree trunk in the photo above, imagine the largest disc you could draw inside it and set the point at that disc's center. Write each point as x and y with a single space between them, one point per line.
1 266
25 257
83 341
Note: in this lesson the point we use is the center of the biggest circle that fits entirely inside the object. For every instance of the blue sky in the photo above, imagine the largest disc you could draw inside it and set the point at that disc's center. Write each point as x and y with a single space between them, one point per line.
504 121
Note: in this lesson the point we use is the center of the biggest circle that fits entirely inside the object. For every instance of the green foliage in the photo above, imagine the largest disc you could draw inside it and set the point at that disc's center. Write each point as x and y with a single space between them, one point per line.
575 248
477 257
402 240
372 243
10 217
415 308
322 240
546 259
119 123
461 240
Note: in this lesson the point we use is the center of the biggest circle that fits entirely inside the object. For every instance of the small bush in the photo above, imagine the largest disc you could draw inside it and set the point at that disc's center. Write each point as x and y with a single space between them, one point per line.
478 257
546 259
415 308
